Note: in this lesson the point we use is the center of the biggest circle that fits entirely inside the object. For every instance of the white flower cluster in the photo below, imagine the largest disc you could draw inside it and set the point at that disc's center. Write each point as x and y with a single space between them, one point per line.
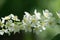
8 24
37 22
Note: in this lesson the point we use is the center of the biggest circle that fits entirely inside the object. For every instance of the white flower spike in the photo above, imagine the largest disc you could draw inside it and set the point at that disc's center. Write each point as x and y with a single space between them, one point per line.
37 22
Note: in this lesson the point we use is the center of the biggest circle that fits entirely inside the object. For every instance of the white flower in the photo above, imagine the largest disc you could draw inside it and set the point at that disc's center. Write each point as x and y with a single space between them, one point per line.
34 21
5 30
11 28
1 32
35 18
26 18
9 25
7 18
40 30
16 28
11 15
47 14
37 15
1 24
44 28
14 17
27 14
3 20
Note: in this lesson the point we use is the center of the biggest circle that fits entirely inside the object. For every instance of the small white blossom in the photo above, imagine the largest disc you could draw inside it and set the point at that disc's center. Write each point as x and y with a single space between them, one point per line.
10 25
14 17
43 28
40 30
16 28
1 32
1 24
5 30
47 14
11 15
27 14
7 18
37 15
26 18
3 20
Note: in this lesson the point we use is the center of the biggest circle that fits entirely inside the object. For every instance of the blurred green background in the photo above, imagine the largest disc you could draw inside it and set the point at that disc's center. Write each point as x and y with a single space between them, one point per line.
17 7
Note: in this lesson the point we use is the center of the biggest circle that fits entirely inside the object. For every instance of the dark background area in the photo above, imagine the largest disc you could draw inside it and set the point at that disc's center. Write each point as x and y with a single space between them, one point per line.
17 7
